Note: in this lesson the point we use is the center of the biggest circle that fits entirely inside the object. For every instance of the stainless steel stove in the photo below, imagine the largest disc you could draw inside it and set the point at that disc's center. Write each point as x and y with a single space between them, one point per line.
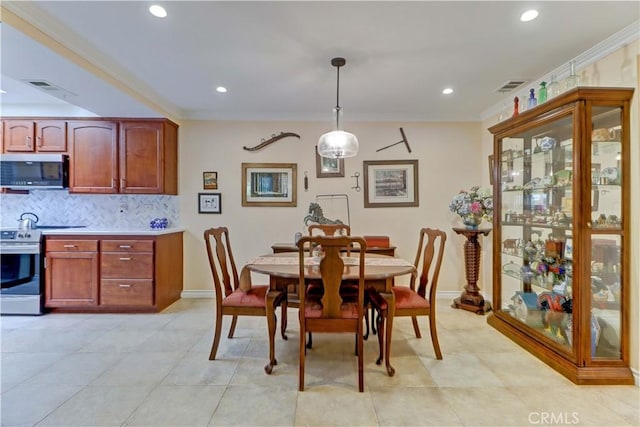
22 274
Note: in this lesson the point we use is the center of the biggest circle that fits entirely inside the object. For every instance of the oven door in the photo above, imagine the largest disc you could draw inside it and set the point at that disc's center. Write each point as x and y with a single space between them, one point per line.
21 279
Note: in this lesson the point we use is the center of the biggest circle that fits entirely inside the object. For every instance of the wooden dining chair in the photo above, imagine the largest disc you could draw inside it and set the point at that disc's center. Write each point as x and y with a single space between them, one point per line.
411 301
330 312
348 290
237 296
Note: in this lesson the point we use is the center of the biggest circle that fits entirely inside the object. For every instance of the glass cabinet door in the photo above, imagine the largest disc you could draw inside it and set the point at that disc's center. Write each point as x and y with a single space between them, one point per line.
605 263
536 198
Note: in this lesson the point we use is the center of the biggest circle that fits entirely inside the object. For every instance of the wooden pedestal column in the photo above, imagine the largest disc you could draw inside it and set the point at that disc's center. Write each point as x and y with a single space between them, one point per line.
471 299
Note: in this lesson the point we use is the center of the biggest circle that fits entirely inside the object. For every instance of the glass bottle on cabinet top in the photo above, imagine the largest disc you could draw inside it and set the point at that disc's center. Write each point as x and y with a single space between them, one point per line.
561 213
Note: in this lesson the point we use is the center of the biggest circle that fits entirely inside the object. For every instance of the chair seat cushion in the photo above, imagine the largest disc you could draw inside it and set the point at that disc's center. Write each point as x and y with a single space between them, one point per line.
313 309
254 297
407 298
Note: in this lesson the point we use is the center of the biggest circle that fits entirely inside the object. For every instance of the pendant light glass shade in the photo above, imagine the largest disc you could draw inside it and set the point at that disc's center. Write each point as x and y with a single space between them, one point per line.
338 144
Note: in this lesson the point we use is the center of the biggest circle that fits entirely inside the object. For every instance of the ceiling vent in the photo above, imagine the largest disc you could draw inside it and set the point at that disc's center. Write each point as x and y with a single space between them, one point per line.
50 88
511 85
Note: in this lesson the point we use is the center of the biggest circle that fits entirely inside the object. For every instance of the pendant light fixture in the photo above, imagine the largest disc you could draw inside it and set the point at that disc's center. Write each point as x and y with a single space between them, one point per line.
338 144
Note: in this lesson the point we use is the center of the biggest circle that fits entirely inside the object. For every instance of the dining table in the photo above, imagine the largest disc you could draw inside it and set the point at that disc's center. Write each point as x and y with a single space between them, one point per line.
379 271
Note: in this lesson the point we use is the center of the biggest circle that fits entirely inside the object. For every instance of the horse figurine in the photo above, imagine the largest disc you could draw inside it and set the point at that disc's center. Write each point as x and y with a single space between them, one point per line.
316 215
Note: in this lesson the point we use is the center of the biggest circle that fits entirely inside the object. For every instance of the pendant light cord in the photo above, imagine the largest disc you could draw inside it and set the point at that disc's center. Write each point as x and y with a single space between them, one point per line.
338 126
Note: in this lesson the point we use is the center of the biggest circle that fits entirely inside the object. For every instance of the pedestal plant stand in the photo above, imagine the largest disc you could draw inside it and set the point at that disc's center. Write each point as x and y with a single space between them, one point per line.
471 299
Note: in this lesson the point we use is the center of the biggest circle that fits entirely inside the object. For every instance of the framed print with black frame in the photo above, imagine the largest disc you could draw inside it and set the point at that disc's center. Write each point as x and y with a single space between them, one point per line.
210 203
327 167
269 184
390 183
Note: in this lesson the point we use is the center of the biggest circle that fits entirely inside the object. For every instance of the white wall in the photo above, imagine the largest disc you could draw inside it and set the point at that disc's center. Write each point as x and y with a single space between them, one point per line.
450 158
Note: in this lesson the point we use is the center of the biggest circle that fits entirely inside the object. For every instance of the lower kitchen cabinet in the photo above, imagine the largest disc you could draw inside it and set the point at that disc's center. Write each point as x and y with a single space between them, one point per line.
71 274
127 274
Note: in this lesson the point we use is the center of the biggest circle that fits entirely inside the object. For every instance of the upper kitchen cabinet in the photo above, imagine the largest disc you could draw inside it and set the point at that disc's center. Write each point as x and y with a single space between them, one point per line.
93 156
138 156
148 153
27 136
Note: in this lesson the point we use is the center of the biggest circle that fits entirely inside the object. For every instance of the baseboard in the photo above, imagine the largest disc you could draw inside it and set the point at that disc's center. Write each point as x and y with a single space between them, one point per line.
197 294
636 376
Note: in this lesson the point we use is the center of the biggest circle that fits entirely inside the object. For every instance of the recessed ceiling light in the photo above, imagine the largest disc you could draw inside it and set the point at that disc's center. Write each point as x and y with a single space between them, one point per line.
221 89
3 91
529 15
158 11
447 91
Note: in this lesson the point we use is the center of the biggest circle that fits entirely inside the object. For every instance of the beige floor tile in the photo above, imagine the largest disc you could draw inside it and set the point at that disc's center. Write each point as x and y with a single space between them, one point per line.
118 340
16 368
335 405
522 369
487 406
170 340
189 321
462 370
27 404
98 406
256 405
138 369
413 406
197 369
191 406
76 369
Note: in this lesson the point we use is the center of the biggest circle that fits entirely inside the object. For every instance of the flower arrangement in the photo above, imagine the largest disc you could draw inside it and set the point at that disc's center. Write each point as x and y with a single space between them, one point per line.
473 205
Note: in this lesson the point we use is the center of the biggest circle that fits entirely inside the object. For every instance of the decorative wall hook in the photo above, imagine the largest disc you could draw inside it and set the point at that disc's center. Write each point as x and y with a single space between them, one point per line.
271 140
306 181
404 139
357 177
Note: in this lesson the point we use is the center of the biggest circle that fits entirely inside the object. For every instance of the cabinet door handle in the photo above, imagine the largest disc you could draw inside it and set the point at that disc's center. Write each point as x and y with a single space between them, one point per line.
125 259
122 183
28 141
39 141
125 246
69 246
122 285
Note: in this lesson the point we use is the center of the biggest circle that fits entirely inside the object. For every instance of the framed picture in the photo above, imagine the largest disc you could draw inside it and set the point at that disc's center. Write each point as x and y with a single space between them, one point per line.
269 184
328 168
568 248
210 203
505 167
390 183
210 180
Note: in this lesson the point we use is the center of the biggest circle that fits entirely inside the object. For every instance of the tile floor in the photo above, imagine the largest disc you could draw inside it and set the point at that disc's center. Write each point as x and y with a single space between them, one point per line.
153 370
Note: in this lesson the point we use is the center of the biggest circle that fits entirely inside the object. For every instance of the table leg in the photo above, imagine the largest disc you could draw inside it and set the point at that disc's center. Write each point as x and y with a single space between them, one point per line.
271 323
390 297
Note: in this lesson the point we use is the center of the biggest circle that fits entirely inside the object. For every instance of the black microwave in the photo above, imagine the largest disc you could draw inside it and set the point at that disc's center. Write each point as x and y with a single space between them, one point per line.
34 171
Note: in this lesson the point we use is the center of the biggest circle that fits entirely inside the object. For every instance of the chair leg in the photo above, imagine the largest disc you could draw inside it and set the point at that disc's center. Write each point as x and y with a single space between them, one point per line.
232 328
216 335
366 322
310 341
302 351
283 325
416 328
434 336
360 351
380 322
373 325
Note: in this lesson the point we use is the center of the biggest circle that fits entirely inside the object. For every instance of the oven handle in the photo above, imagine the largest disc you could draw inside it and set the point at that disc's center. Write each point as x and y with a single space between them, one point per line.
19 250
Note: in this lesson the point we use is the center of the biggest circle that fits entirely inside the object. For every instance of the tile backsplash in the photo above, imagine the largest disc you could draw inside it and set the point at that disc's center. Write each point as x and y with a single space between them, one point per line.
58 207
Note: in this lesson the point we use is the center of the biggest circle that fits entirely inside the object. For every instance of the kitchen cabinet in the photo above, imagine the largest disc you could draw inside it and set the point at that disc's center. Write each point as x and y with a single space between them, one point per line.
28 136
124 156
129 273
148 159
71 273
561 233
126 268
93 156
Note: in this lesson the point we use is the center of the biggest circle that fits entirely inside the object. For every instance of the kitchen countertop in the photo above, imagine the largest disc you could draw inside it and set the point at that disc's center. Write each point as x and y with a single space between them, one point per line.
111 231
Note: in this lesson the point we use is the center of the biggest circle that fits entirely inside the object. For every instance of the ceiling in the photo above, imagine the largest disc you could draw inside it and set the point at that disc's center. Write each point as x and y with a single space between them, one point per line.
275 57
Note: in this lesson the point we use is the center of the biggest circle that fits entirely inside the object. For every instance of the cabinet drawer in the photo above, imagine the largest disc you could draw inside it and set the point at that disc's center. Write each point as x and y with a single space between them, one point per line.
127 245
126 265
71 245
126 292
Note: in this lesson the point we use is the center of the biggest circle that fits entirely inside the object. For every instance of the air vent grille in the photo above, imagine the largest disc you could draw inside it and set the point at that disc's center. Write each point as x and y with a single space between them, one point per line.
50 88
511 85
